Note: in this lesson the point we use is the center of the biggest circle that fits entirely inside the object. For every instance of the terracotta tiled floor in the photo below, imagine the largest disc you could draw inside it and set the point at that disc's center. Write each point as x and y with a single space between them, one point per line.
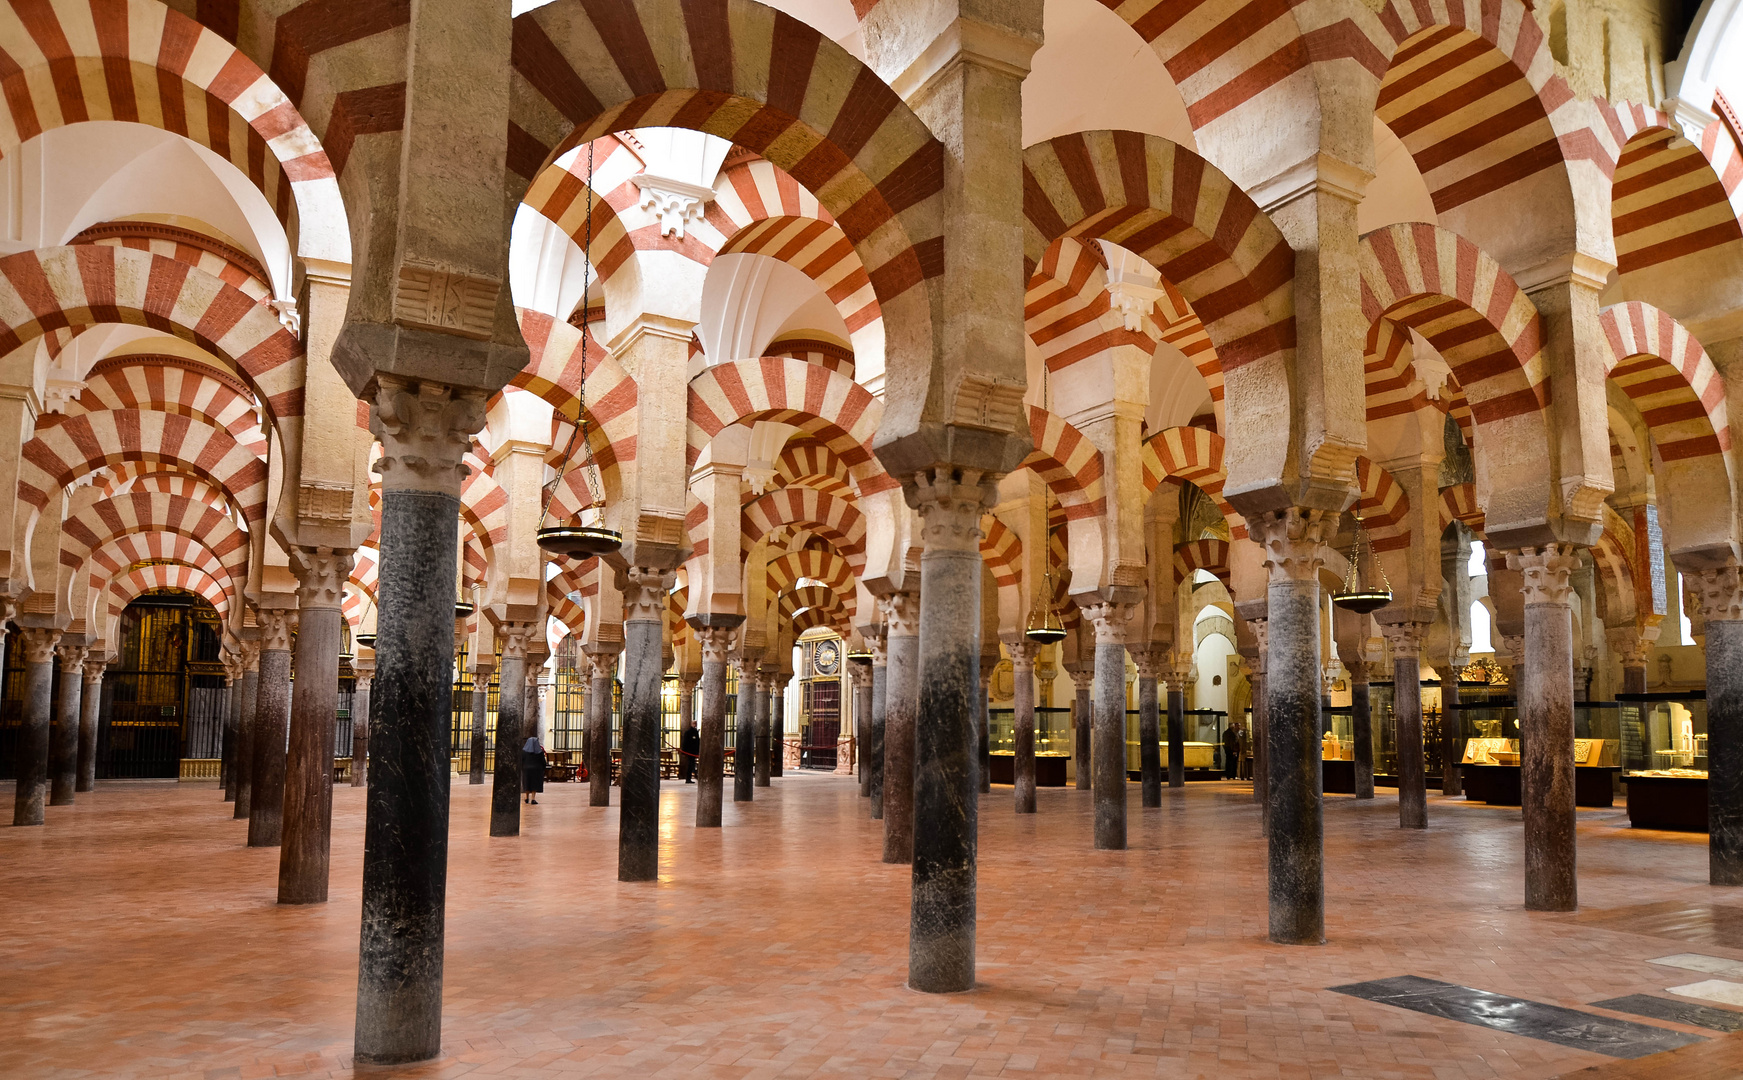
141 940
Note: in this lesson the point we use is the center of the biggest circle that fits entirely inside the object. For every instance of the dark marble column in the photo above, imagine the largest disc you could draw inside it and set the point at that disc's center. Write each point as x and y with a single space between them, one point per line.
943 825
1294 544
1176 671
360 722
1546 722
1721 596
63 751
901 708
1261 729
1361 728
91 705
744 741
478 749
31 789
1082 681
862 689
308 789
1149 661
272 708
1452 777
1405 639
778 725
246 755
1108 731
638 835
1023 722
423 430
987 663
711 754
599 693
874 751
511 703
765 744
227 744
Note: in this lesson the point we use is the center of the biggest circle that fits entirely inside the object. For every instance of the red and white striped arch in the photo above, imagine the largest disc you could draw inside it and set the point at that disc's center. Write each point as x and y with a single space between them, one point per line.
1384 506
813 563
837 606
50 288
554 373
139 61
72 446
1068 311
1669 378
1002 551
1459 503
1195 455
822 252
1671 198
1208 554
115 557
826 516
620 228
229 265
824 404
151 476
483 502
805 462
125 589
145 513
177 385
1068 463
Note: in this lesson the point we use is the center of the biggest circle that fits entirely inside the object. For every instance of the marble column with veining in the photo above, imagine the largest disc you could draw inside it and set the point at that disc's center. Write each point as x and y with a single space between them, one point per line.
1361 728
272 708
1177 670
1149 663
1405 638
1082 682
901 707
1022 654
63 751
305 853
1452 777
778 725
1108 731
1261 730
638 834
360 722
31 787
946 739
1546 727
862 692
715 641
744 738
603 671
227 735
249 692
424 432
91 710
874 751
1720 590
765 681
987 664
1294 543
478 747
511 701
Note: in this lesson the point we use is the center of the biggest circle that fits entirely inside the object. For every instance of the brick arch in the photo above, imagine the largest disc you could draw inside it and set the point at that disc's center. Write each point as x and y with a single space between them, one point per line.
88 284
224 262
154 513
808 463
772 85
816 247
1068 311
176 385
1068 463
1459 503
113 559
1002 551
819 564
1384 506
152 476
1207 554
1614 555
1194 455
161 68
819 597
1671 198
835 520
483 504
123 590
1667 374
825 404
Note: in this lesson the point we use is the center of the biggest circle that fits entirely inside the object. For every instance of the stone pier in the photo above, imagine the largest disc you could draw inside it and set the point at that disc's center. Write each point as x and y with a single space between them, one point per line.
271 727
1546 727
1023 720
638 837
711 736
901 704
1721 596
1109 725
31 787
1405 638
304 856
63 751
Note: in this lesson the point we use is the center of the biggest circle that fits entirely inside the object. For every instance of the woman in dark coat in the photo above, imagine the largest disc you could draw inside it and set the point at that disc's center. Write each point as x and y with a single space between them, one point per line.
532 769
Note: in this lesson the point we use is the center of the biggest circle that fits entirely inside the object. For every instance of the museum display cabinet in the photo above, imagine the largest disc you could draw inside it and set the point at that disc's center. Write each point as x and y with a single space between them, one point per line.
1489 757
1203 748
1052 745
1664 759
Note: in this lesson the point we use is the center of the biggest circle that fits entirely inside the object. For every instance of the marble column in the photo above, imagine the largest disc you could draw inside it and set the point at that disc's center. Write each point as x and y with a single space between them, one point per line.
638 833
1261 731
1023 721
1546 723
360 722
599 692
478 748
1405 639
744 742
246 755
271 727
1633 650
778 725
946 743
227 735
1082 681
901 705
31 789
765 681
862 691
1177 671
1108 722
1294 543
424 433
513 638
711 753
1721 595
880 695
304 856
1149 662
1452 777
1361 728
63 750
91 714
987 664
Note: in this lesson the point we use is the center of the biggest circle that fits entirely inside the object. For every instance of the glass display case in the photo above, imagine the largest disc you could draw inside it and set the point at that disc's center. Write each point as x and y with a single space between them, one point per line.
1203 743
1663 740
1491 737
1052 745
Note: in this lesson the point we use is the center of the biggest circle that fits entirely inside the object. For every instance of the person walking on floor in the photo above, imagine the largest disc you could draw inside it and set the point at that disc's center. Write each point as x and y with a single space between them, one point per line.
532 769
689 745
1231 752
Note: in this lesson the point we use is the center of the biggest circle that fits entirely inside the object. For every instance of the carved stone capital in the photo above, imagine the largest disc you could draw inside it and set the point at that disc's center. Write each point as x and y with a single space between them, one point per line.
1720 591
1358 670
1262 635
878 645
1082 677
745 667
39 644
321 574
901 614
249 653
861 675
1545 572
1514 646
514 638
72 656
1023 653
601 665
950 503
425 429
94 670
644 593
1109 620
715 641
1626 643
1152 662
364 680
1404 638
1294 541
276 625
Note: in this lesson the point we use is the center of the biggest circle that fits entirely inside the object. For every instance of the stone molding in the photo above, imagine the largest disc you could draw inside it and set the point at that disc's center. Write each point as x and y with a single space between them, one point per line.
1545 572
1720 591
1109 620
425 430
644 593
674 203
39 643
1295 541
901 614
716 642
275 629
1404 638
321 574
950 508
72 656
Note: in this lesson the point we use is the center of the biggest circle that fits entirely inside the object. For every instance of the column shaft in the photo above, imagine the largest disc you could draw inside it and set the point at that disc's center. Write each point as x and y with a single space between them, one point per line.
777 730
308 792
901 704
1725 750
64 747
360 732
1109 736
638 843
1452 781
91 704
1177 731
227 746
1362 733
245 736
862 691
599 731
711 751
271 729
1081 734
1546 729
874 751
1296 828
1412 768
986 732
1023 728
763 743
479 746
511 701
31 789
1150 746
744 743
